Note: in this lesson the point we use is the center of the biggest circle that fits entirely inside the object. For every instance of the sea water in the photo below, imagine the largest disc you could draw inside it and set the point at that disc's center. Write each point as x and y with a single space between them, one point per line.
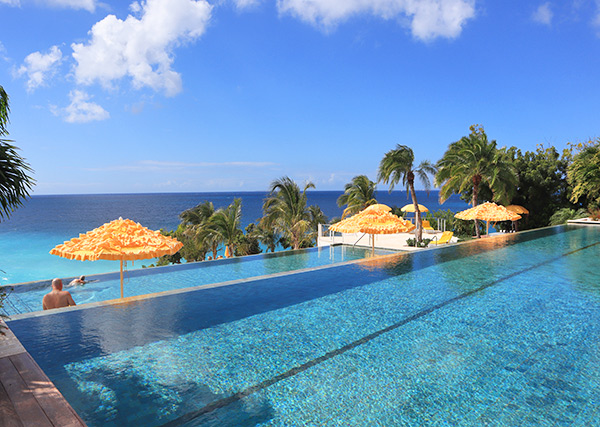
46 221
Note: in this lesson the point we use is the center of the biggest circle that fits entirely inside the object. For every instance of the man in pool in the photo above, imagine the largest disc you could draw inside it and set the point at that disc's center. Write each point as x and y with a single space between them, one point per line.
57 297
77 282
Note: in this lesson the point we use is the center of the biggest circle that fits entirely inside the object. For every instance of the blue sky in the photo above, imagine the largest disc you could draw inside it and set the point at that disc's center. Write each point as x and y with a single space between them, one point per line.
227 95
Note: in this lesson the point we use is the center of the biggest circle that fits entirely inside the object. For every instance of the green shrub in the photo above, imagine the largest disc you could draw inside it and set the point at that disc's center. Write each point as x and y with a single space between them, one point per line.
413 242
561 216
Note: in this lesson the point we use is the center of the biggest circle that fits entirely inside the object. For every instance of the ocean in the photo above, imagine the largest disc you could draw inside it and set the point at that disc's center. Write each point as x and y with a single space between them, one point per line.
46 221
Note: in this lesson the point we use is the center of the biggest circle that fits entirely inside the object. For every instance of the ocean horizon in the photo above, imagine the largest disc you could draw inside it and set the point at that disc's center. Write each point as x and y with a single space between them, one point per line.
45 221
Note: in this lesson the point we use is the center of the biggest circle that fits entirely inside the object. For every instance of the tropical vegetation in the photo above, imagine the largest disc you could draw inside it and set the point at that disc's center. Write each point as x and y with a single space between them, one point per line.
15 180
542 186
554 187
583 175
224 226
397 166
358 195
285 210
474 161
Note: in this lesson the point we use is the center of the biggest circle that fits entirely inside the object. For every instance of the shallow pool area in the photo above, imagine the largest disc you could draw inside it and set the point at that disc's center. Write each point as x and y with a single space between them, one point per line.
501 331
26 298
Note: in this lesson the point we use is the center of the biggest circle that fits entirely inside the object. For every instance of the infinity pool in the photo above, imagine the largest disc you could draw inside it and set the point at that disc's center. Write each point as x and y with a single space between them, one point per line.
503 331
27 297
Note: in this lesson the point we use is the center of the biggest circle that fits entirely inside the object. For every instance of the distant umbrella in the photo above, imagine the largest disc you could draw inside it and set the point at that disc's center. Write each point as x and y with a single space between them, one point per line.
517 209
488 212
376 219
411 208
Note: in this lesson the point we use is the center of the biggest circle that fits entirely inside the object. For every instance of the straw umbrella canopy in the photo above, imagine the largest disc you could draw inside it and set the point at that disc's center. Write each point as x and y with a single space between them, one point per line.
518 209
121 239
488 212
376 219
411 208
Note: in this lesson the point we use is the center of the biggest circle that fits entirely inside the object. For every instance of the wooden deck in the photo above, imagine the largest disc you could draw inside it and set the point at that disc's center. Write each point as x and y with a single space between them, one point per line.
27 396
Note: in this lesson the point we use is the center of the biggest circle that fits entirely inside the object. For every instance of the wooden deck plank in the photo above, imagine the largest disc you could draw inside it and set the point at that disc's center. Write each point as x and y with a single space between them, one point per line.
56 408
8 415
23 400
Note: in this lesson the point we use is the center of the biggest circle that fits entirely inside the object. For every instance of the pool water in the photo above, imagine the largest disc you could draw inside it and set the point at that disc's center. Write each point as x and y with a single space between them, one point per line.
28 297
502 331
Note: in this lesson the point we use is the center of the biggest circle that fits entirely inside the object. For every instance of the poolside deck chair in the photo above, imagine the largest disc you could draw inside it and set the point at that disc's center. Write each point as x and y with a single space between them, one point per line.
427 227
444 238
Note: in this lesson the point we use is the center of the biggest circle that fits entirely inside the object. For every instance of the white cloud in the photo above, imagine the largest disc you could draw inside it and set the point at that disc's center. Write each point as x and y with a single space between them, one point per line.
596 20
543 14
245 4
428 18
3 52
141 46
39 67
89 5
81 110
10 2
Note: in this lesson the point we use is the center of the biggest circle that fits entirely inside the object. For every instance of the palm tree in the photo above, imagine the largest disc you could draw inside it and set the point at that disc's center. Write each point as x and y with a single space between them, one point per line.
199 214
358 194
397 165
285 210
471 162
225 224
267 236
315 217
583 175
15 182
194 223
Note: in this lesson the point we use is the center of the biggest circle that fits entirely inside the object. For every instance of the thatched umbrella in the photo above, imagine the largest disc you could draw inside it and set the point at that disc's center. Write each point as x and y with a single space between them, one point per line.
376 219
488 212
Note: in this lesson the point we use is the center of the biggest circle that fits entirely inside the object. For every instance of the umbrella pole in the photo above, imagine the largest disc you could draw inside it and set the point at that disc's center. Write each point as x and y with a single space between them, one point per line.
373 244
121 278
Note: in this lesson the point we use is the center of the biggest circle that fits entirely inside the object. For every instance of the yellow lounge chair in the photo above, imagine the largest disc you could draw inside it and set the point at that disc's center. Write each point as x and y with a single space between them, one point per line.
427 226
444 238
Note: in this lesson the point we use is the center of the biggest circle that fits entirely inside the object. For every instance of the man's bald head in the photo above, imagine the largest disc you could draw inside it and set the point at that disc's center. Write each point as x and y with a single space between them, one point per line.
57 284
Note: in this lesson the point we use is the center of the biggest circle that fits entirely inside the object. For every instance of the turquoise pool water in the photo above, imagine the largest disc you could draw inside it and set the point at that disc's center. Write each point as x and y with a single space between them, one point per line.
28 297
504 331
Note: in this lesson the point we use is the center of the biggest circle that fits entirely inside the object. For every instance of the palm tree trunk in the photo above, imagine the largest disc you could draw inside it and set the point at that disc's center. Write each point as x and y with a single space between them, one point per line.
417 212
474 201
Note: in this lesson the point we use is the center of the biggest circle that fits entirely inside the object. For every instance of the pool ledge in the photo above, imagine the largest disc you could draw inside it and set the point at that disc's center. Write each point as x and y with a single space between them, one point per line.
27 396
583 221
249 280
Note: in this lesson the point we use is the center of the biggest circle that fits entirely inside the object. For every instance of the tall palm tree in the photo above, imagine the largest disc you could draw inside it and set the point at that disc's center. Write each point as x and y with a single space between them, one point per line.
474 160
15 183
285 209
583 175
397 165
358 194
225 224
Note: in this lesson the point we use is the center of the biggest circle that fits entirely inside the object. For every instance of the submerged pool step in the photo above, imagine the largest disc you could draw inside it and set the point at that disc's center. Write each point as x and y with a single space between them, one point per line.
15 305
